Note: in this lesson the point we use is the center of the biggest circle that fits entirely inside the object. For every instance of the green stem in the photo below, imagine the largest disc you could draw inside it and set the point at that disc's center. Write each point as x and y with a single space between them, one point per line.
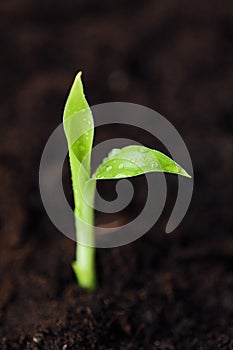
84 265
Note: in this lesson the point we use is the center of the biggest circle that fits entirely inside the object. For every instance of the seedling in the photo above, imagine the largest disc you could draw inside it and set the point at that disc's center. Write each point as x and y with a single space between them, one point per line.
120 163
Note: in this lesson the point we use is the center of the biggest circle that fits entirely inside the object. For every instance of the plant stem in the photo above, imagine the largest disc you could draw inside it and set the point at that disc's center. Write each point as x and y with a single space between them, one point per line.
84 265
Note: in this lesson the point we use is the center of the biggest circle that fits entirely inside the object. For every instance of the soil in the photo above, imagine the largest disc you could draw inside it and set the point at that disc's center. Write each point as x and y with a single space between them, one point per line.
163 291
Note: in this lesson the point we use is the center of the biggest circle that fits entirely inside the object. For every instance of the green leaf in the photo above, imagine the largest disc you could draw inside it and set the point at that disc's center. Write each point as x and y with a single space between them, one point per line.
79 129
136 160
78 124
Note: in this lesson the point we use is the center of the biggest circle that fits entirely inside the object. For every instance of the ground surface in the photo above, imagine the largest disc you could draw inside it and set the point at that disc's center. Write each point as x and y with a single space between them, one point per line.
161 292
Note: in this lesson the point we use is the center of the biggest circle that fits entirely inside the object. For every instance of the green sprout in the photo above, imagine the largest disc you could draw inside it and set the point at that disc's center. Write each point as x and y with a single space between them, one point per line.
120 163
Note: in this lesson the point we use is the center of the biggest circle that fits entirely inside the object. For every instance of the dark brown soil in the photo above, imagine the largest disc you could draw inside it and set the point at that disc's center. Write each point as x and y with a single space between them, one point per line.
163 291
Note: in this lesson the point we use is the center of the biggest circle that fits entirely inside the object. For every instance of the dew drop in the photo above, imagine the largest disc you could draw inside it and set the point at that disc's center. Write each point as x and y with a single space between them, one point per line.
108 168
132 161
121 166
82 148
113 152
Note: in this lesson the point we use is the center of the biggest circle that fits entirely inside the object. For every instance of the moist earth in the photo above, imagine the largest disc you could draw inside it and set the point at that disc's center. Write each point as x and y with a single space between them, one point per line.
163 291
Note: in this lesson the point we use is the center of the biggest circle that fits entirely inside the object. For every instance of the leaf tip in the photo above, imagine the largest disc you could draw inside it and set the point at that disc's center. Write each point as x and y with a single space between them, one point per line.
184 173
78 75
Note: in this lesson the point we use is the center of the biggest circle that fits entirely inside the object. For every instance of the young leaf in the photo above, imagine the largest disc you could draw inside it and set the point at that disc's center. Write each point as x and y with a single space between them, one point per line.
78 124
136 160
79 129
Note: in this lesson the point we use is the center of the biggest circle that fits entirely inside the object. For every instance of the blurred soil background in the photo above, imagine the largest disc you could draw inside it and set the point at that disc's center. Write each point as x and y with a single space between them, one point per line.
163 291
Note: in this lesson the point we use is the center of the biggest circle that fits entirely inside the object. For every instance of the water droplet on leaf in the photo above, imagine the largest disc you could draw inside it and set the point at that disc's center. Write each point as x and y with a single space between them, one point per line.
113 152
